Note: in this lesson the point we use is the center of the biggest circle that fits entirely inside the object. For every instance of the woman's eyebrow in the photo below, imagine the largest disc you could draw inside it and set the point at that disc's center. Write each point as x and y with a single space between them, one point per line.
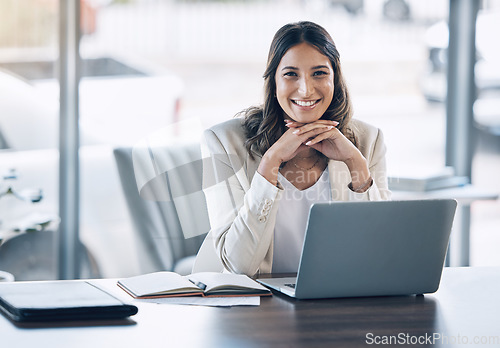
320 67
313 68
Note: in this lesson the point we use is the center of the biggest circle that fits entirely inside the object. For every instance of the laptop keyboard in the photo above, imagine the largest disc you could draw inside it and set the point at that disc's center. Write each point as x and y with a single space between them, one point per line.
291 285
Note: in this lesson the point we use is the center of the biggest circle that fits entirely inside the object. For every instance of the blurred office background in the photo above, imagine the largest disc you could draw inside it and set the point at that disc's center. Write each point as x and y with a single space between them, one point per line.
148 64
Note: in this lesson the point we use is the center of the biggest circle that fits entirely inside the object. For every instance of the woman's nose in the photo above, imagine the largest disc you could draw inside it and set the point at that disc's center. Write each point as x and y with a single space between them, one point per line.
306 88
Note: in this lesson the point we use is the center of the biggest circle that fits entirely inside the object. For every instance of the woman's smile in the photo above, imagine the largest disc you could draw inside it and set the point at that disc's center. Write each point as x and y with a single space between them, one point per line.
306 103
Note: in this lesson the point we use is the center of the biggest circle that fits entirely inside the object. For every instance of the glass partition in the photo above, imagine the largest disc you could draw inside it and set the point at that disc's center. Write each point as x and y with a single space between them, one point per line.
148 65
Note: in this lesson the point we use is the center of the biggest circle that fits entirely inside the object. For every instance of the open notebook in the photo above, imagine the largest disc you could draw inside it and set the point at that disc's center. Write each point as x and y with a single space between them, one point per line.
170 284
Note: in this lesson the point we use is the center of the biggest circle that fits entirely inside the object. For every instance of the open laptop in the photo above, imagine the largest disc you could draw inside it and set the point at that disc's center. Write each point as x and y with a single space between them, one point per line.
377 248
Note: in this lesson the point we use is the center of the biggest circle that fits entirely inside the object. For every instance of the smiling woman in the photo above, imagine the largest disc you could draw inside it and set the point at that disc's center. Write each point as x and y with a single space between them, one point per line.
318 43
299 148
304 83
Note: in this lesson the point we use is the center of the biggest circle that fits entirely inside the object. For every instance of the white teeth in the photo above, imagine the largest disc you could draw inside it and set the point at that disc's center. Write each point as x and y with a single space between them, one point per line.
304 103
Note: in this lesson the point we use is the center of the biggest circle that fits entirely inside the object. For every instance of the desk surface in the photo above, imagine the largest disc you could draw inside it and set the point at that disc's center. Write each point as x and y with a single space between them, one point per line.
464 194
465 308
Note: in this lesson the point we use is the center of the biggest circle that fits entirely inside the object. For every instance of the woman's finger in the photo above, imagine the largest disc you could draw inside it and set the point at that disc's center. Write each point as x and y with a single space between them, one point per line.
289 143
330 134
294 124
314 125
312 131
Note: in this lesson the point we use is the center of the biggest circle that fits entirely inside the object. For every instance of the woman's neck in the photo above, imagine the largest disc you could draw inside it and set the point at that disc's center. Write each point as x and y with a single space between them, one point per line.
306 154
304 173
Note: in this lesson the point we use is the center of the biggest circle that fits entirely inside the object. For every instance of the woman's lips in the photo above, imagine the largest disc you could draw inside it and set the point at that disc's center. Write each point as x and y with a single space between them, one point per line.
308 104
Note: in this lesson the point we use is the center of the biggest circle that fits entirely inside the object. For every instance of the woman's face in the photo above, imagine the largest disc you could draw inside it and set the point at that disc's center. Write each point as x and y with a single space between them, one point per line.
304 83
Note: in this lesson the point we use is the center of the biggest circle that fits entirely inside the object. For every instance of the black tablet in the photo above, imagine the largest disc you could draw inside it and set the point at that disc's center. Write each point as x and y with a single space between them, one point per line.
43 301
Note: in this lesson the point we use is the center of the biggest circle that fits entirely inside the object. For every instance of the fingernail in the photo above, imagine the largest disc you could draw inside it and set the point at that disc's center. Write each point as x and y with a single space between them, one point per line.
330 127
336 123
309 142
295 132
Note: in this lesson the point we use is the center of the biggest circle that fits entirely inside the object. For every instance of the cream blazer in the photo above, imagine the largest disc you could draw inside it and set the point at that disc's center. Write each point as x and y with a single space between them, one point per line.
242 205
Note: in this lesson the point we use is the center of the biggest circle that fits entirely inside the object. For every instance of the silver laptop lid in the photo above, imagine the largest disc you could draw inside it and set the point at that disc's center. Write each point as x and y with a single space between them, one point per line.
374 248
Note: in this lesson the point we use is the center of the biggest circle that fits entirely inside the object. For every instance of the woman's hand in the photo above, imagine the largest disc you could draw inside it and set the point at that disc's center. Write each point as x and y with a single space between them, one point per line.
289 145
334 145
297 138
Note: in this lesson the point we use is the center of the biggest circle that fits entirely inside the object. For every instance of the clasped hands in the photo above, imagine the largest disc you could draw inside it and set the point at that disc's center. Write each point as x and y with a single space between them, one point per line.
321 135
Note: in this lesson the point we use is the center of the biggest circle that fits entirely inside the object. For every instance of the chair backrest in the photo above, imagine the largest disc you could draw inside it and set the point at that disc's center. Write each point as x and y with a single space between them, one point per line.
30 256
3 141
168 207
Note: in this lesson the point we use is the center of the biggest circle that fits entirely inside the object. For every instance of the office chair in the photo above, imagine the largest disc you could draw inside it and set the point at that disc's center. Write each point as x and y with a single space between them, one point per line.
30 256
167 207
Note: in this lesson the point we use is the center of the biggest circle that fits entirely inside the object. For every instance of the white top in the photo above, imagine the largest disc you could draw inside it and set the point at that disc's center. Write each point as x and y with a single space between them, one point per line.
291 221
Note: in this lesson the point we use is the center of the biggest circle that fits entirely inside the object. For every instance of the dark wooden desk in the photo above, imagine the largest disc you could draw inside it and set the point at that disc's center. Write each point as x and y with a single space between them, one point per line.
465 308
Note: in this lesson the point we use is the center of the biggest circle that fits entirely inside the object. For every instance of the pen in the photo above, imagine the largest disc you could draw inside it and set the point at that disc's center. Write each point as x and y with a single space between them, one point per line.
199 284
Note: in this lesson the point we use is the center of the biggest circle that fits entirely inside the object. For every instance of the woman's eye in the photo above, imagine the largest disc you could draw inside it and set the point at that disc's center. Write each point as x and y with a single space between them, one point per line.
290 73
319 73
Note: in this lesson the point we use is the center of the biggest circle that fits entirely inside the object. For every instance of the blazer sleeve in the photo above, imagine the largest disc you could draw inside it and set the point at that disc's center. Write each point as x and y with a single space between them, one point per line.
242 214
374 152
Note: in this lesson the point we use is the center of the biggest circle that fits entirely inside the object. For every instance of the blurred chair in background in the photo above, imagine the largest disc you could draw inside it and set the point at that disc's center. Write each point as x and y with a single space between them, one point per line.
168 211
28 244
30 256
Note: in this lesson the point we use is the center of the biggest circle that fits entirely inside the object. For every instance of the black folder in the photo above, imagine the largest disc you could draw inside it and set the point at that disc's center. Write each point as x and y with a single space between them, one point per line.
43 301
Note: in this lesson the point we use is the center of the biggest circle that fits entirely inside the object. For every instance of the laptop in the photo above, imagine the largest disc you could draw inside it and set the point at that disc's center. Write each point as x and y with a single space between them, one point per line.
381 248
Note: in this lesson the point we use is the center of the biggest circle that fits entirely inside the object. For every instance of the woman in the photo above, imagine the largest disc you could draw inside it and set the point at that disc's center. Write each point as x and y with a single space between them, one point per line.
301 147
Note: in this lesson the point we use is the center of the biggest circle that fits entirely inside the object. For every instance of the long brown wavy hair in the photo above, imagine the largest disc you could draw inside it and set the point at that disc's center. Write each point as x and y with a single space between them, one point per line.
264 124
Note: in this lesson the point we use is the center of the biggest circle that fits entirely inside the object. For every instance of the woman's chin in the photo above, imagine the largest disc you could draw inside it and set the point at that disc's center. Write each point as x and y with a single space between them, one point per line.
306 120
